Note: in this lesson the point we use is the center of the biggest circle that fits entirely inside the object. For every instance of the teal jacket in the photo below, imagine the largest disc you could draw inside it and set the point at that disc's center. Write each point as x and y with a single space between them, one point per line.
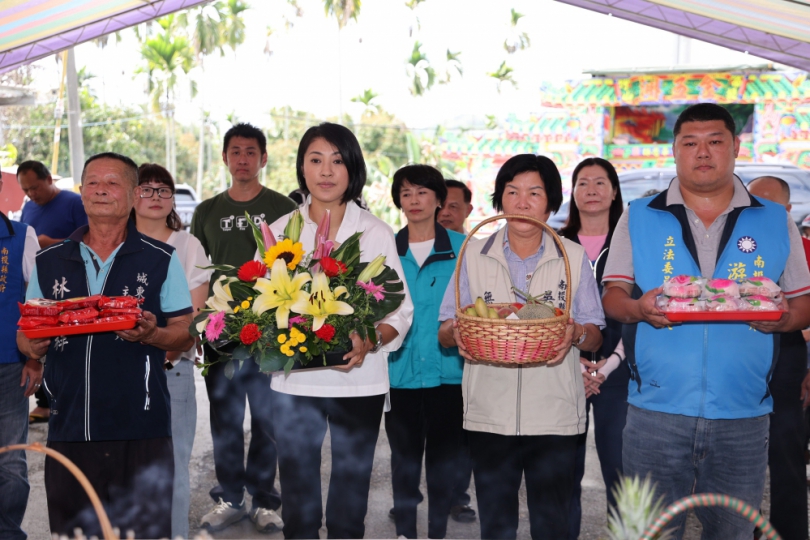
421 362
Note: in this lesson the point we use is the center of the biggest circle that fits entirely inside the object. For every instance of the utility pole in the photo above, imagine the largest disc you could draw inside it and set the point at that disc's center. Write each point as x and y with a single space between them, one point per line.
75 136
57 113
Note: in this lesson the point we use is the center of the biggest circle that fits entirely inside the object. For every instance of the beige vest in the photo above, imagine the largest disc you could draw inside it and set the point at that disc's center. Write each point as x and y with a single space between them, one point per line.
533 399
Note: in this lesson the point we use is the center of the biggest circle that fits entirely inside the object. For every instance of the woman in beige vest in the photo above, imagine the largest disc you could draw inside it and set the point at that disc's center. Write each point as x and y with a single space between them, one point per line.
525 420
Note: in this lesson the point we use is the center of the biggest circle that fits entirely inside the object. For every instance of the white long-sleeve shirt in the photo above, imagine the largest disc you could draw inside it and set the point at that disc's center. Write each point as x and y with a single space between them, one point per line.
371 378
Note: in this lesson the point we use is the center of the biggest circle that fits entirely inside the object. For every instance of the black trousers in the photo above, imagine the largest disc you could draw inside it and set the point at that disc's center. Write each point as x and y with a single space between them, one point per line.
42 398
424 421
301 422
133 479
464 471
787 440
499 464
609 415
227 409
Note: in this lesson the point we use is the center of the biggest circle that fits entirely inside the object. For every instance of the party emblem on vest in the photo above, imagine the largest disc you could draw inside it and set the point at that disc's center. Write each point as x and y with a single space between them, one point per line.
746 244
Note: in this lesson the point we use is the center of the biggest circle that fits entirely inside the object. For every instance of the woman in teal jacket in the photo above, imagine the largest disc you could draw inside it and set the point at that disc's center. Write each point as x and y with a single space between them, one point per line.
426 402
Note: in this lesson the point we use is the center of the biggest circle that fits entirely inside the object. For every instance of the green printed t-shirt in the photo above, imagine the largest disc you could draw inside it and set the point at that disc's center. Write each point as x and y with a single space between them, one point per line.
220 225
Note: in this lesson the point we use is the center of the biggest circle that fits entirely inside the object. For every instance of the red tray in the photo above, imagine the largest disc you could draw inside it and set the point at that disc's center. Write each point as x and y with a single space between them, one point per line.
74 329
711 316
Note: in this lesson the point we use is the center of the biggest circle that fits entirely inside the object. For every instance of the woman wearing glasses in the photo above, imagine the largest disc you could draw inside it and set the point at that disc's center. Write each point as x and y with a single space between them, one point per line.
596 205
155 216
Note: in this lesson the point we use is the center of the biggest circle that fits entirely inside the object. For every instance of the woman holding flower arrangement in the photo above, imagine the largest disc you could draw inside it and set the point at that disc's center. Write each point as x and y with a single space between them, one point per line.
525 420
426 404
348 399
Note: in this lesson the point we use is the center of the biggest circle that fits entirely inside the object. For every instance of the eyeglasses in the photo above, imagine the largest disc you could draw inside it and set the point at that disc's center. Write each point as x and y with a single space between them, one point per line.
163 192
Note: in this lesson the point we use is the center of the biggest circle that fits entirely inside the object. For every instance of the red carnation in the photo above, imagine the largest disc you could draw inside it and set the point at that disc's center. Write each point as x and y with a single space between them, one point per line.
326 332
250 334
251 270
332 267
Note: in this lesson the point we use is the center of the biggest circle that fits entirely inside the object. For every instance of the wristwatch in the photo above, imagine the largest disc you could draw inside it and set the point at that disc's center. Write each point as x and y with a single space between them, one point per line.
377 346
41 360
581 339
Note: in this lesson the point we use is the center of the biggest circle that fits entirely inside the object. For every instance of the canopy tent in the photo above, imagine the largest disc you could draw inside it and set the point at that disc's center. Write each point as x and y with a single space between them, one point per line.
778 30
34 29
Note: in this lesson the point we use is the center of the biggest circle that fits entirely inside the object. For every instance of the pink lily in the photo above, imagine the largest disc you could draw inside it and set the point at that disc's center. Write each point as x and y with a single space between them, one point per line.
323 246
267 236
375 290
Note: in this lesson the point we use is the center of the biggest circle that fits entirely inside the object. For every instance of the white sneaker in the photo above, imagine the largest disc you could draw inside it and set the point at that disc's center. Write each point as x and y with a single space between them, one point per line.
266 520
223 515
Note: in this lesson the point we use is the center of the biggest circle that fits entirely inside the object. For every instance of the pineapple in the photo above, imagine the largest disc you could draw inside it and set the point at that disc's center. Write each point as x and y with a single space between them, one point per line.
636 509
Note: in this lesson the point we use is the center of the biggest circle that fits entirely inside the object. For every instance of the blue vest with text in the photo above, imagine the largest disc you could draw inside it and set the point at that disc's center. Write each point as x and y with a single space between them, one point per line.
712 370
12 287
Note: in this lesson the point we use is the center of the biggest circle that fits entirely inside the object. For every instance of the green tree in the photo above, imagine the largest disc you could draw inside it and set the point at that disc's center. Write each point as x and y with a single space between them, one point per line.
452 64
503 75
516 40
420 71
342 10
366 99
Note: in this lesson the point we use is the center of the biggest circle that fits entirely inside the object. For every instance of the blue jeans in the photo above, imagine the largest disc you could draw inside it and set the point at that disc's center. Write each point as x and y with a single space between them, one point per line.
685 455
14 486
180 380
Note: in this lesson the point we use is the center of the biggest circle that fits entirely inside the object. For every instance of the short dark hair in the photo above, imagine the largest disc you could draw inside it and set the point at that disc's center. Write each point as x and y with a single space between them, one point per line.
246 131
574 223
419 175
130 169
346 143
704 112
462 186
37 167
784 185
522 163
152 172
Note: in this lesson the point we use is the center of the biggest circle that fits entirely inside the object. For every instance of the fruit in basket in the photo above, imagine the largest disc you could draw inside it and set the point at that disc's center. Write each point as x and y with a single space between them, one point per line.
534 308
481 308
492 313
471 311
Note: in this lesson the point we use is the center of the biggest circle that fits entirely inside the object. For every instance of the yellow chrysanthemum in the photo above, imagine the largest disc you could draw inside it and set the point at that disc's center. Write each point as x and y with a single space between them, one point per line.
250 298
290 352
302 349
282 338
293 342
290 252
236 309
285 348
245 304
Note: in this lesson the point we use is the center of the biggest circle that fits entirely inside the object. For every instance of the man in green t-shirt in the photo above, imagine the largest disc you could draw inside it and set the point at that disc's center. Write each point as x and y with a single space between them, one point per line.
221 226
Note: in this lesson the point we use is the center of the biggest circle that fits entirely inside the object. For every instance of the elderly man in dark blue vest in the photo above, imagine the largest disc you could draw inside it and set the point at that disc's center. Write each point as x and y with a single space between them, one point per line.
109 400
699 401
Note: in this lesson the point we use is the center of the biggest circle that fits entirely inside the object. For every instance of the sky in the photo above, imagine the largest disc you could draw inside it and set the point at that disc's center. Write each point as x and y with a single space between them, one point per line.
315 68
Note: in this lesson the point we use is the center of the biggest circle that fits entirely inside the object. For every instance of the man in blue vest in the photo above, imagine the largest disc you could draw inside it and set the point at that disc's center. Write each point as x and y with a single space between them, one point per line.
699 409
109 399
19 377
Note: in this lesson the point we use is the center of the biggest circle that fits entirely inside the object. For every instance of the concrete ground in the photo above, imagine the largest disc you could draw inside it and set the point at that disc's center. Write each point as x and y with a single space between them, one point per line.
380 498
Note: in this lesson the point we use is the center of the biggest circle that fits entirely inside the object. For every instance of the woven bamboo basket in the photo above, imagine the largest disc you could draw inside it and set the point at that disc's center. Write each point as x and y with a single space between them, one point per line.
513 341
106 528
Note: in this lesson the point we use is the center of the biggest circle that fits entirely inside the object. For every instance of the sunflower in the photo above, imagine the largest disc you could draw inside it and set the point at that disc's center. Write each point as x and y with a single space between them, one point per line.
290 252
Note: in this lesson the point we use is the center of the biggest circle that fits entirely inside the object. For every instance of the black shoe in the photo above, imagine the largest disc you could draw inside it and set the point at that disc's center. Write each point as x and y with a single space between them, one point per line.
462 513
391 515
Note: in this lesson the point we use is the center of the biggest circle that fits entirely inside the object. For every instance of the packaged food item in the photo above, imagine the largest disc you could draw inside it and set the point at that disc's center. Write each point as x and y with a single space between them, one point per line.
120 311
759 302
760 286
115 318
117 302
722 302
40 307
683 286
28 322
685 304
722 286
78 316
81 303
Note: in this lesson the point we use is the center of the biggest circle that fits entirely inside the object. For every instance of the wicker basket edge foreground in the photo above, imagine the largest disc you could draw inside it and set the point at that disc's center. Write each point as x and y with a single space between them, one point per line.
512 341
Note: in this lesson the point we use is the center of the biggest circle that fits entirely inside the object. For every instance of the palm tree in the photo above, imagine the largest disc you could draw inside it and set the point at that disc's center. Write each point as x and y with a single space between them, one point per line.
412 5
342 10
167 57
452 63
419 69
503 74
366 99
516 40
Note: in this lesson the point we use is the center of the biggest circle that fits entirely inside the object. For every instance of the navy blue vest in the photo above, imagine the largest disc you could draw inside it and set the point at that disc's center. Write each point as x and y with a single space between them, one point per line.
101 387
715 370
12 286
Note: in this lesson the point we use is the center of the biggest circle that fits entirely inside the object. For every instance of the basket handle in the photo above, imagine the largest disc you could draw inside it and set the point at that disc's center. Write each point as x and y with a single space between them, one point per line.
536 221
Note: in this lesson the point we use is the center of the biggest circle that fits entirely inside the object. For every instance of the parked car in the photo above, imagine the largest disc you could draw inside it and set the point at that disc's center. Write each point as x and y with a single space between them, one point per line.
185 201
637 182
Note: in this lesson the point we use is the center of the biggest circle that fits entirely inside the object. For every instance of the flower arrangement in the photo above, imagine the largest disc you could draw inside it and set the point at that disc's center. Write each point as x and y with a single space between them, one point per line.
293 308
